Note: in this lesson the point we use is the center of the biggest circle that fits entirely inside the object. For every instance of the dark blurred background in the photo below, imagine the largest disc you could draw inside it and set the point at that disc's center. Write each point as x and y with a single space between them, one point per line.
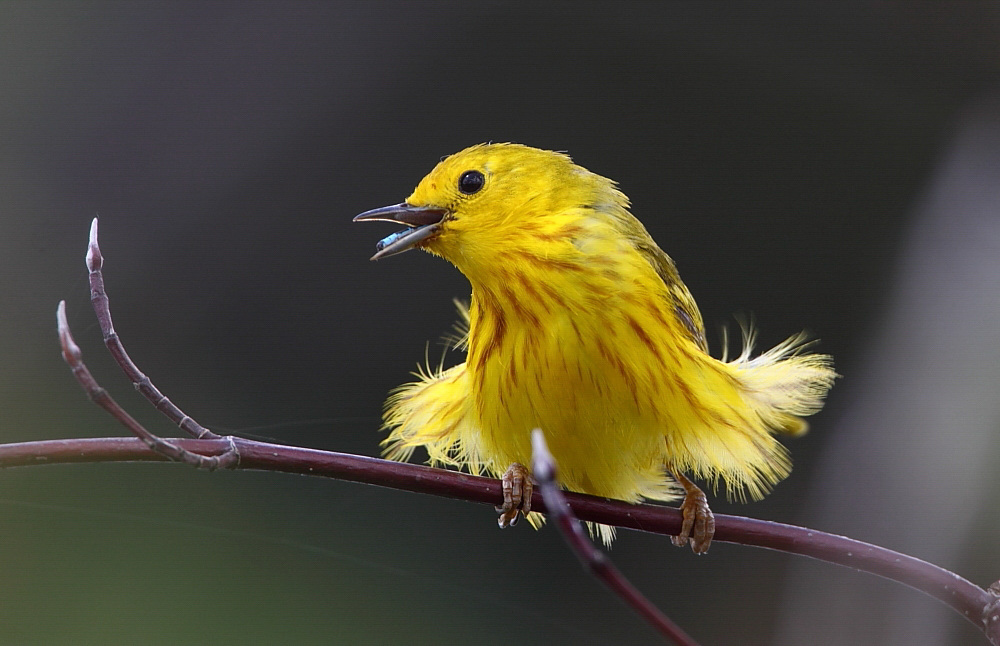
785 154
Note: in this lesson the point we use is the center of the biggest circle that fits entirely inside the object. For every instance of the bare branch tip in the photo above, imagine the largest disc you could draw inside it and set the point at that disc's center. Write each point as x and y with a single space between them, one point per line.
94 259
70 350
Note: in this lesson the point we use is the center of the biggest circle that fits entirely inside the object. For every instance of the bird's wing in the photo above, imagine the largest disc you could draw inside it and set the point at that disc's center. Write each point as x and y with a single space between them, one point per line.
684 306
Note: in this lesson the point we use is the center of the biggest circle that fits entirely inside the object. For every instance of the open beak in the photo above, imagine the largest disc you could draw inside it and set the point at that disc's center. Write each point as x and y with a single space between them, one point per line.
423 223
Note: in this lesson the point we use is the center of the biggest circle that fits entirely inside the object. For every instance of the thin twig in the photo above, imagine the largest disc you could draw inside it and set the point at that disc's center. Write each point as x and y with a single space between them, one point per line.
543 467
99 299
71 353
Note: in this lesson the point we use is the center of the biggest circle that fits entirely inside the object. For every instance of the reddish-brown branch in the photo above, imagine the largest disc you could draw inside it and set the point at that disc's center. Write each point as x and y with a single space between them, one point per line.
543 466
969 600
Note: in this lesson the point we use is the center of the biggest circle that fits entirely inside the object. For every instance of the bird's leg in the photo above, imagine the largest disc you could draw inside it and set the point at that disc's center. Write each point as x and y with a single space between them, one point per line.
517 488
698 527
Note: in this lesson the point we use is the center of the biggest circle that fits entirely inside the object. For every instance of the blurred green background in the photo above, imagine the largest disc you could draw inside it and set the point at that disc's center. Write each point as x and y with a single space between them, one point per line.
775 150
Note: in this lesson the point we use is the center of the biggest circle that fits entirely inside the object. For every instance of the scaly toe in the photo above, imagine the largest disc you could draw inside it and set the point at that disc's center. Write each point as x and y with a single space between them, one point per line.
698 526
517 489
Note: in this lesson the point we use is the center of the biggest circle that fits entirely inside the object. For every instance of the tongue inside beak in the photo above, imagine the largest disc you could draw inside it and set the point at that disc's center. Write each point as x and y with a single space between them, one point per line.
423 223
402 240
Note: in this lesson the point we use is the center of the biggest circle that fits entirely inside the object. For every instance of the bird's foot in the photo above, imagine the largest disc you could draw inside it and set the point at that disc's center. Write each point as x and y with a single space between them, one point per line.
698 526
517 488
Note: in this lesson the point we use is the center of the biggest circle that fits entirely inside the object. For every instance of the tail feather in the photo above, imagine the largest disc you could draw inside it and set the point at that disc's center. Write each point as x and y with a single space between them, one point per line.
746 401
778 388
784 384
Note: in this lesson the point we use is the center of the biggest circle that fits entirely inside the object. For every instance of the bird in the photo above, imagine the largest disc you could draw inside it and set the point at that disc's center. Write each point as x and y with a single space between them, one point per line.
578 324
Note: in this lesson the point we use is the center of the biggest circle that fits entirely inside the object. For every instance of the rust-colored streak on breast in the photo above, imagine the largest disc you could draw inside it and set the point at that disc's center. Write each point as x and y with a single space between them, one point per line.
605 354
512 376
499 334
492 326
520 310
554 294
532 292
576 330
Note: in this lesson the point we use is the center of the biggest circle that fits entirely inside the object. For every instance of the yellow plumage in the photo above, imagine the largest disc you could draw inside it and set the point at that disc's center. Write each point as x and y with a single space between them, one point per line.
580 325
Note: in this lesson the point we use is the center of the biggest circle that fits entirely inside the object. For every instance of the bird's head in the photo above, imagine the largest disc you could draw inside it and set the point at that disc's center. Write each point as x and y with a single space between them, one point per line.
489 199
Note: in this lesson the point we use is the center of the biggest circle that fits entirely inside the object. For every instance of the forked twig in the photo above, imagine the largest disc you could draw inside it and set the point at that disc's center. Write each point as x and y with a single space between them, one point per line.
71 353
99 299
543 467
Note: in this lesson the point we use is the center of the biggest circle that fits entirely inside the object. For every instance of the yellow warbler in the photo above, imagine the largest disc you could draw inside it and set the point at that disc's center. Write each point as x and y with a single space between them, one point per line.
579 325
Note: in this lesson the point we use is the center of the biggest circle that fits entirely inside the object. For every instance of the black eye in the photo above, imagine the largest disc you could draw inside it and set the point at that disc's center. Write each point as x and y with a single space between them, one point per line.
471 181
